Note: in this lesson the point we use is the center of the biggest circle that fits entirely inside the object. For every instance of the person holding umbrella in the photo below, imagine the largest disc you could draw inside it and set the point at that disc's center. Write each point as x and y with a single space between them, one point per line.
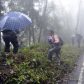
11 24
10 36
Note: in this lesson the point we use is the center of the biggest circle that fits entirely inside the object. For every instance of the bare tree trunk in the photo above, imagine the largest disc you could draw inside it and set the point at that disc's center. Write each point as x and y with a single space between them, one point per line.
63 13
0 28
78 17
39 39
33 35
43 21
0 40
29 36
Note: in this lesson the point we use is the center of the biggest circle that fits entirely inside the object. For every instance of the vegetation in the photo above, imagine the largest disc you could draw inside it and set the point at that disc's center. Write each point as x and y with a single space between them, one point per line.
32 66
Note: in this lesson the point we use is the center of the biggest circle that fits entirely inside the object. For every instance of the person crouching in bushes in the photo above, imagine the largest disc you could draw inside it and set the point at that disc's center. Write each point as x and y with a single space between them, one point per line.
56 43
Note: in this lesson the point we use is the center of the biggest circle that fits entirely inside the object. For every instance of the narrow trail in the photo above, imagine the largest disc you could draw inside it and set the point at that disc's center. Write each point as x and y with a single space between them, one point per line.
77 76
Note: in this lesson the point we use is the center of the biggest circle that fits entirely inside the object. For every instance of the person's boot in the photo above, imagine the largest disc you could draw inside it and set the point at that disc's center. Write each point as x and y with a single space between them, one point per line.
15 56
7 54
59 62
3 59
4 62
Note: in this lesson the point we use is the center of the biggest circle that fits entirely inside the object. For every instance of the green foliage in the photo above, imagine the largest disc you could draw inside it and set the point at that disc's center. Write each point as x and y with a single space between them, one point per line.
70 55
36 69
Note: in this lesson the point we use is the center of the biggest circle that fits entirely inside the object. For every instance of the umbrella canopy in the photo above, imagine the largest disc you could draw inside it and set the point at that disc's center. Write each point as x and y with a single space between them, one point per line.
15 21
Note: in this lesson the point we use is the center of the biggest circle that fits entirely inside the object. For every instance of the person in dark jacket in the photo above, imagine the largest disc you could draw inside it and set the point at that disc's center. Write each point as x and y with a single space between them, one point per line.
79 39
73 38
56 42
10 36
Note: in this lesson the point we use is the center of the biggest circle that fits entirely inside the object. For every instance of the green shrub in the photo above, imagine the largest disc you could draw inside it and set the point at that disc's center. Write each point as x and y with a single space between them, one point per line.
36 69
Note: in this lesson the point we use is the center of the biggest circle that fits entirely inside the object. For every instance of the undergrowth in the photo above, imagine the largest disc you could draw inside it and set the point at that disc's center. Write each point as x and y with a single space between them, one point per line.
32 66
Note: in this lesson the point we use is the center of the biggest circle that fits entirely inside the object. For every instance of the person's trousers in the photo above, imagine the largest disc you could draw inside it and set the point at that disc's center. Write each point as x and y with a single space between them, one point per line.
53 50
13 40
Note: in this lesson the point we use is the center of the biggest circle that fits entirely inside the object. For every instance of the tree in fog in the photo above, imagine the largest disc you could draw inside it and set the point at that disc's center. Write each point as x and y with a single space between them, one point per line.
44 16
1 9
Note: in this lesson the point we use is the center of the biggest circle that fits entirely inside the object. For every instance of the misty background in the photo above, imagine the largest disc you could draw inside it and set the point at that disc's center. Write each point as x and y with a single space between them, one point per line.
65 17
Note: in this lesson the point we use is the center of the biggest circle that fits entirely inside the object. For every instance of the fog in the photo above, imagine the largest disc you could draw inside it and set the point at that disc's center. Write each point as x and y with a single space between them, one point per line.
65 17
76 10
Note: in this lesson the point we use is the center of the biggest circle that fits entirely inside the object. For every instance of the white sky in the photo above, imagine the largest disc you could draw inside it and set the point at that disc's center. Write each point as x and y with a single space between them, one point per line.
72 7
69 5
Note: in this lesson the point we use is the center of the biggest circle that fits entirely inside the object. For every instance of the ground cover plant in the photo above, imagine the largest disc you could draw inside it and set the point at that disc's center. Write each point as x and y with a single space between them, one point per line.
32 66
